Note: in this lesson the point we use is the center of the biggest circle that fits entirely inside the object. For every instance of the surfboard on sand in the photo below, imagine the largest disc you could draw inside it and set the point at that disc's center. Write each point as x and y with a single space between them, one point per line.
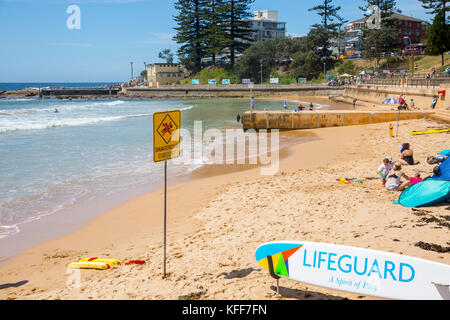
429 131
357 270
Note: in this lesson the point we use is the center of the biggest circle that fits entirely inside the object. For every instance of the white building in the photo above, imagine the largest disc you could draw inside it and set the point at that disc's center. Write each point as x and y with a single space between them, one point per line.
266 26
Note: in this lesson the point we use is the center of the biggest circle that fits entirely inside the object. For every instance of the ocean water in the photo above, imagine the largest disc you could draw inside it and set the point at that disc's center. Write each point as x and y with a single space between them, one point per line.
8 86
50 161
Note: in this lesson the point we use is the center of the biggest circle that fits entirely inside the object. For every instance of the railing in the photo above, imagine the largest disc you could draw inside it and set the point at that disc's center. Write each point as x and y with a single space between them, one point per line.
238 87
409 82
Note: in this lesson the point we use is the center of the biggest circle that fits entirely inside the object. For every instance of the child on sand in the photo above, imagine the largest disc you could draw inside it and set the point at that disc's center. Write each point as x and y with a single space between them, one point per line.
384 169
393 181
415 179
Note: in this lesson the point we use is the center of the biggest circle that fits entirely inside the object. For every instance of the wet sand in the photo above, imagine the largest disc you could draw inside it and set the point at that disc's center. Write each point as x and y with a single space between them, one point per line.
215 224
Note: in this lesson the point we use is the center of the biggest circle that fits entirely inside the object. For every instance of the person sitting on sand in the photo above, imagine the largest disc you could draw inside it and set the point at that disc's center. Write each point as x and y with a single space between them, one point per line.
393 181
407 155
415 179
436 160
385 168
311 106
300 107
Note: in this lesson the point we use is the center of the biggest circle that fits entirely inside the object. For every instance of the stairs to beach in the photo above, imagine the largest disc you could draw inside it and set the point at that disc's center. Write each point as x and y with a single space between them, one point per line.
441 116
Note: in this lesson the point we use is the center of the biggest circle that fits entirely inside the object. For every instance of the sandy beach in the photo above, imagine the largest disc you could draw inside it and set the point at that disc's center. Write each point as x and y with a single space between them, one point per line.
216 222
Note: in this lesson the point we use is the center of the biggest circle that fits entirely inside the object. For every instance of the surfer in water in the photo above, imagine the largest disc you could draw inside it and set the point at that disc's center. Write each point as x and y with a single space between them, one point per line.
56 110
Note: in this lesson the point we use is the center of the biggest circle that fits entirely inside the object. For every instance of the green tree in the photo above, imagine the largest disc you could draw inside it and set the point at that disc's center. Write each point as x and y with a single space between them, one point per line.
190 32
439 36
215 32
387 7
236 29
380 40
144 74
434 6
167 55
319 39
277 57
328 12
437 7
306 64
320 34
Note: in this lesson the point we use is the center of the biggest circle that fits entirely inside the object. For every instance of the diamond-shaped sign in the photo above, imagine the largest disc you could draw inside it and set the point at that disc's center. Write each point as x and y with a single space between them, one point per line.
166 136
167 128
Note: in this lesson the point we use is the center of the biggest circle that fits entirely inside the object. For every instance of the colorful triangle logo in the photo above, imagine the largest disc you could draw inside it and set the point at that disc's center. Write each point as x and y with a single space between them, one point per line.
280 261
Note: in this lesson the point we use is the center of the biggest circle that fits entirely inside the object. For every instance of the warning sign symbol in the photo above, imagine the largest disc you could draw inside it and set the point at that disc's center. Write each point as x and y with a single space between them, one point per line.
167 128
166 135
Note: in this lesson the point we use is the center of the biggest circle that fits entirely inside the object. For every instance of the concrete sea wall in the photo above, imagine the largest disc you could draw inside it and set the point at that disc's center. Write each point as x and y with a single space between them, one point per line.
232 91
288 120
422 96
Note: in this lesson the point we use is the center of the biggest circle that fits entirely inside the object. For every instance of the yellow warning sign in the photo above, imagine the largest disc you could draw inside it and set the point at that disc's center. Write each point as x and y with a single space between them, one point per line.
166 135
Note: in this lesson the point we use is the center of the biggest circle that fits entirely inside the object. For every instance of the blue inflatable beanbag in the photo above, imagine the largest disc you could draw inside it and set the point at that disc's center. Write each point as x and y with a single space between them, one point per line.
429 192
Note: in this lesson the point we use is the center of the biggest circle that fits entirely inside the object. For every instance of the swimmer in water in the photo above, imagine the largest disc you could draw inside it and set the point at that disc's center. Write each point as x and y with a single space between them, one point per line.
56 110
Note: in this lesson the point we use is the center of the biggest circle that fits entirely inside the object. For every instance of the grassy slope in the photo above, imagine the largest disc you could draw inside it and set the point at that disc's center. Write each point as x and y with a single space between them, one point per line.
425 64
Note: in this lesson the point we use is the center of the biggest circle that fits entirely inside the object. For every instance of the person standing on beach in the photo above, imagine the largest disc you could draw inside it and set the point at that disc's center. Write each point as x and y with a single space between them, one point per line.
385 168
252 104
412 103
428 79
311 106
285 104
238 118
354 103
433 103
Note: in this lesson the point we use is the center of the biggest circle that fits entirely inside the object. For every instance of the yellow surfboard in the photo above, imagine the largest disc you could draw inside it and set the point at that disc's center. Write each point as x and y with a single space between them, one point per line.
89 265
430 131
111 262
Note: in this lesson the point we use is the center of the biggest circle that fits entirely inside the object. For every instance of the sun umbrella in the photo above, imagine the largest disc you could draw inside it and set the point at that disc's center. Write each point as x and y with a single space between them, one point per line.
390 101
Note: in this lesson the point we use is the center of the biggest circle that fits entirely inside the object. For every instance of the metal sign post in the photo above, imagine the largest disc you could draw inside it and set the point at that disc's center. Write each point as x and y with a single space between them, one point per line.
166 146
165 214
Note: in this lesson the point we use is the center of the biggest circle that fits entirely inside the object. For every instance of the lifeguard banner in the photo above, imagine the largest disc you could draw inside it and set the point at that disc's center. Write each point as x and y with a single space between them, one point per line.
166 135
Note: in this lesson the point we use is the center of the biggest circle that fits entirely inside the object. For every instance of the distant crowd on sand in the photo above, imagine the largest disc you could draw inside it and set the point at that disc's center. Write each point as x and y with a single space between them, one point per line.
300 107
403 105
391 172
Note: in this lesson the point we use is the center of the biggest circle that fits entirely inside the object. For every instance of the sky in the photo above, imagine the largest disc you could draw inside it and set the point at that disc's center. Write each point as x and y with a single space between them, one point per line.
37 46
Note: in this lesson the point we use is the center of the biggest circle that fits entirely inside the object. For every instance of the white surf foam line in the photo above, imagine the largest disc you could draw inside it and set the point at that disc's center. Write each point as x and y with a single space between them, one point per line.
62 107
7 231
7 125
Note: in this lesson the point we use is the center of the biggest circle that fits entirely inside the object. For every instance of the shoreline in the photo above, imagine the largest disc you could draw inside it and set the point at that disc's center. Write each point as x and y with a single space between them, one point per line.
121 232
85 238
76 216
